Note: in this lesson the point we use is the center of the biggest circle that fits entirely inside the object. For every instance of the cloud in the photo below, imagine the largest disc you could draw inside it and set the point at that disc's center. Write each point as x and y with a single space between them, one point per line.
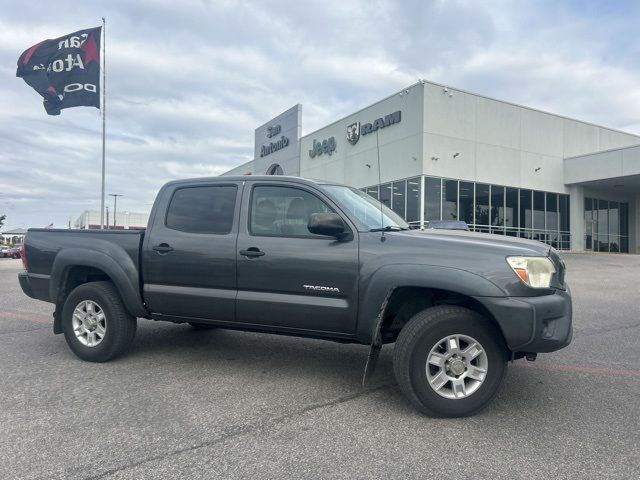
188 83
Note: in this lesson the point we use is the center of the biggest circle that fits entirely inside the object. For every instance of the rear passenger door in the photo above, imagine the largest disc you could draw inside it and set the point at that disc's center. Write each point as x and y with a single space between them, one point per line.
189 254
288 277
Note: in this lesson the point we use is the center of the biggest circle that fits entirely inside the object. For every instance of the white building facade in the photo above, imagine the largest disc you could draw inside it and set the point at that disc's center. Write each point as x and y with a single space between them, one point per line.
434 152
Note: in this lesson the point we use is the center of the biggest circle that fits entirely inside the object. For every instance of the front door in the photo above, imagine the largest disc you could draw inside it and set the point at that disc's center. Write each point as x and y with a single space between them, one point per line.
588 240
287 276
189 255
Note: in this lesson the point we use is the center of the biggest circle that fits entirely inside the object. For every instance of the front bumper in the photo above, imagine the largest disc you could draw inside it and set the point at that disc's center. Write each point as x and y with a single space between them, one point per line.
533 324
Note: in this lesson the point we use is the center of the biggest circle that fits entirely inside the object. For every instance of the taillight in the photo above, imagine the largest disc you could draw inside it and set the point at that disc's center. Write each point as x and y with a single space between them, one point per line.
23 257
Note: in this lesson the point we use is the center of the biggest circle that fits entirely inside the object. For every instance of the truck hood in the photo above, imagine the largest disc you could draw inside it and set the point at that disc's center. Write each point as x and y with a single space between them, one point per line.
481 254
482 241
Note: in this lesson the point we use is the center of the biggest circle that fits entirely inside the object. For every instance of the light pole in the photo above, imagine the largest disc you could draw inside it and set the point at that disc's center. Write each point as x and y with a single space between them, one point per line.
115 204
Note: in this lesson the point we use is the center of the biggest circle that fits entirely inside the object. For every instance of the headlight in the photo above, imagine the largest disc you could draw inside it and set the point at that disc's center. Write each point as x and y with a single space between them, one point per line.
534 271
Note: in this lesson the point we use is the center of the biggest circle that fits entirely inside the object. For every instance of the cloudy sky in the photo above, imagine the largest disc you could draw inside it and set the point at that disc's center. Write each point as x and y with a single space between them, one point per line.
189 81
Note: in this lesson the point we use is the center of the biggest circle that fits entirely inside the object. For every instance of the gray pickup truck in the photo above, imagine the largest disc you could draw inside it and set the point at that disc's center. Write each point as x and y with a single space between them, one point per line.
299 257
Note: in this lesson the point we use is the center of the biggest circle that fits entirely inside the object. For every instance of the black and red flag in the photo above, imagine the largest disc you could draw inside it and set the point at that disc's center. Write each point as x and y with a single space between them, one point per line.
65 70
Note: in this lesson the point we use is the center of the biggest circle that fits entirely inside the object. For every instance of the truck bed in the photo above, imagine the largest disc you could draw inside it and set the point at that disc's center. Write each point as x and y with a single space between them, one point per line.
44 248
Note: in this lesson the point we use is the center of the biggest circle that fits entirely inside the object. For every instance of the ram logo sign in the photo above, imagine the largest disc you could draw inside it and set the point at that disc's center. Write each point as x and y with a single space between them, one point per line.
355 130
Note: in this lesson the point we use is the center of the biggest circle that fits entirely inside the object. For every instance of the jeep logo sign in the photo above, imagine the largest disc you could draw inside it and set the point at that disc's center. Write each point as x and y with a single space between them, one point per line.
327 146
355 130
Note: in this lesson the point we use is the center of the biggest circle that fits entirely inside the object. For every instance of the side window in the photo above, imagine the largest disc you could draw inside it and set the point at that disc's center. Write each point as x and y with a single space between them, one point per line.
207 209
283 211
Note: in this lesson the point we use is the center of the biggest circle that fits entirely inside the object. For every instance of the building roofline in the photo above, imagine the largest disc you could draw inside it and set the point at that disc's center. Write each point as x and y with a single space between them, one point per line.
422 82
532 108
363 109
604 151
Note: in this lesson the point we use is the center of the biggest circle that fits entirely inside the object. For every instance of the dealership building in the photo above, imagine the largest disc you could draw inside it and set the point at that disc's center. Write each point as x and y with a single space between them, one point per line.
433 152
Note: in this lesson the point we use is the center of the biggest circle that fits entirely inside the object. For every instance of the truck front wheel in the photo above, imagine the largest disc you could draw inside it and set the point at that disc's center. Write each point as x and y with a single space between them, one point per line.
96 325
449 361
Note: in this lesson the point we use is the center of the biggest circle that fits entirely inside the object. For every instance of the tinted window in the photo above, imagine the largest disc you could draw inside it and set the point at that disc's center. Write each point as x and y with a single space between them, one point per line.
497 207
432 199
511 210
525 209
203 209
413 199
538 210
450 200
466 202
283 211
385 194
482 204
399 195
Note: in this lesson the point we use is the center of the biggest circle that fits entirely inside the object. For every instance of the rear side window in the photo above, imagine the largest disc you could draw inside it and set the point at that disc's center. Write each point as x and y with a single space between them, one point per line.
203 209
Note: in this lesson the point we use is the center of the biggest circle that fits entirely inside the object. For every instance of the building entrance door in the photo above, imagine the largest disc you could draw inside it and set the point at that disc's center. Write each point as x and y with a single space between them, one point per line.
590 227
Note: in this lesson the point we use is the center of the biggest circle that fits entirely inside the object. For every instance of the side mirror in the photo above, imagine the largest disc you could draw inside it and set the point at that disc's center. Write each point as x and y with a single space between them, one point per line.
329 224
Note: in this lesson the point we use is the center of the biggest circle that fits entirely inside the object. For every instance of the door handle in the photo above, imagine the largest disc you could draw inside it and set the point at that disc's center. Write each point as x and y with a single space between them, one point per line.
251 252
162 248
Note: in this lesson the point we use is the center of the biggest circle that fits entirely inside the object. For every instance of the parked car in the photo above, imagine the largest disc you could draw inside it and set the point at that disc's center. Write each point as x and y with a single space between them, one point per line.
3 251
14 252
292 256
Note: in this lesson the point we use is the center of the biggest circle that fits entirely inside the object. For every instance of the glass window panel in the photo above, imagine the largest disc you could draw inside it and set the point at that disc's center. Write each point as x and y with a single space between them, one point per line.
614 219
538 210
283 211
552 212
482 204
466 202
511 210
563 212
614 243
525 209
497 206
373 191
413 199
603 217
603 225
385 194
450 200
399 194
624 219
432 198
207 209
624 244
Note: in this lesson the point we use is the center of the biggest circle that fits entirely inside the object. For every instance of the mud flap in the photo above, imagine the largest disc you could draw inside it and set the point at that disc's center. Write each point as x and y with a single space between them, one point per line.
376 342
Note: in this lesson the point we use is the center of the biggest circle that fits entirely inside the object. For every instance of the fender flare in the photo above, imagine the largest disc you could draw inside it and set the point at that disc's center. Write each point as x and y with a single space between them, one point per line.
121 270
384 281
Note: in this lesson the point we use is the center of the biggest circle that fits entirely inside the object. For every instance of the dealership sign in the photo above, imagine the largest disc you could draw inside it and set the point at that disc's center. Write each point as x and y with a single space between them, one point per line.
271 147
327 146
355 130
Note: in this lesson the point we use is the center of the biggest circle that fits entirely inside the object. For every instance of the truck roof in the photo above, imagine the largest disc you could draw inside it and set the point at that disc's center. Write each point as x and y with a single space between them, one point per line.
235 178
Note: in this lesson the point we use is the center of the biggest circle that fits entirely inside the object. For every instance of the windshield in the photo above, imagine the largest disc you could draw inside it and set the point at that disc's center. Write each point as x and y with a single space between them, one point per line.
366 208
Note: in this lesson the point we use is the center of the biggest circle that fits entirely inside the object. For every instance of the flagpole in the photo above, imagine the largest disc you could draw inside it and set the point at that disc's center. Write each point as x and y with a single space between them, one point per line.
104 116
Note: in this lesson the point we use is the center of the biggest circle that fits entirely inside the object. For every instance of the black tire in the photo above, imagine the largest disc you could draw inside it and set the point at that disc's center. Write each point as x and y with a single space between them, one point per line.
120 326
423 332
202 326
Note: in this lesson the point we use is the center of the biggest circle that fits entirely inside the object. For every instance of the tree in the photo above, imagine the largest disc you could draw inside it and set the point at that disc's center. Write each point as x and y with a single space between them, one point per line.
2 217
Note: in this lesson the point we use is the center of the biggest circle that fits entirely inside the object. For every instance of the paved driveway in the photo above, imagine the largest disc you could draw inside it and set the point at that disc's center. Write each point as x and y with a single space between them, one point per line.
226 404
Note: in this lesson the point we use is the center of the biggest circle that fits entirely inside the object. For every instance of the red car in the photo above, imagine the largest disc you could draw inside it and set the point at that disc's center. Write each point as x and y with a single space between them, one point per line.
14 252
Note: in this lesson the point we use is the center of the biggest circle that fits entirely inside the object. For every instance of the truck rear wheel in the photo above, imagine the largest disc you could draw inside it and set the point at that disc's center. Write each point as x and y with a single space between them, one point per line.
449 361
96 325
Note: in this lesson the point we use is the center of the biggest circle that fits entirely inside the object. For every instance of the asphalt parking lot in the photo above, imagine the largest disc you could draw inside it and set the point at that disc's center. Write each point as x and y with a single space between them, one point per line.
224 404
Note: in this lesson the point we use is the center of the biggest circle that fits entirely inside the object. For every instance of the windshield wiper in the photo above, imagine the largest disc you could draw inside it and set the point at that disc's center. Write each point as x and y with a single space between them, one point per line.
388 228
